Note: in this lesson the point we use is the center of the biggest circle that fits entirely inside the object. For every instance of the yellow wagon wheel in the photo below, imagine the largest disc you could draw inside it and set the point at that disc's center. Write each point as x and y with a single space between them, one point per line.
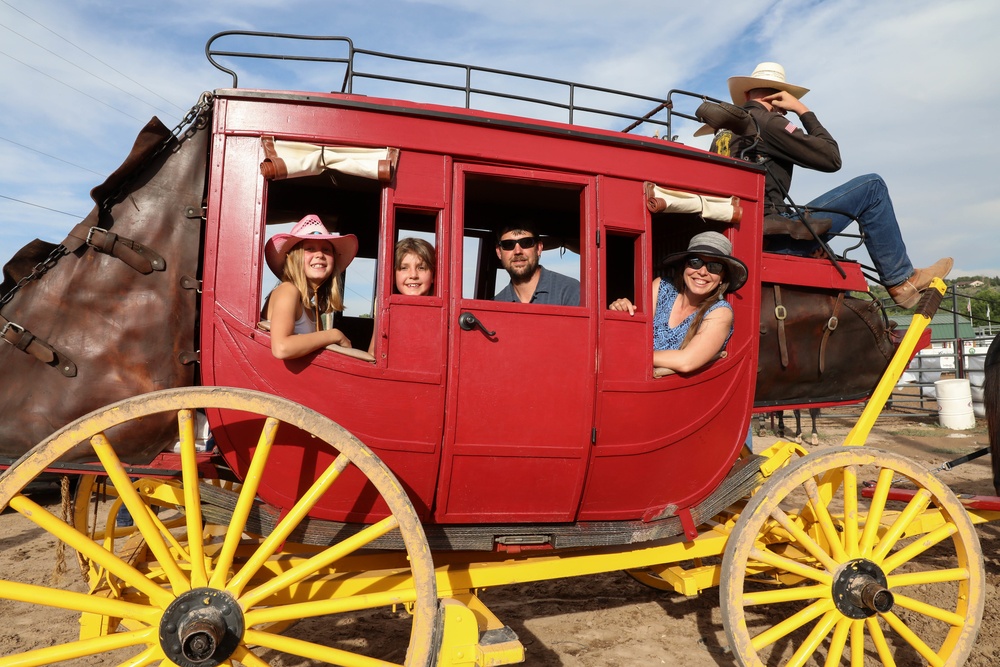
816 574
207 594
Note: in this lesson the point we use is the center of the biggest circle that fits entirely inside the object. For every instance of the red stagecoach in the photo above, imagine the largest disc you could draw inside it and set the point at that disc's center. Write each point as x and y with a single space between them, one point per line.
483 443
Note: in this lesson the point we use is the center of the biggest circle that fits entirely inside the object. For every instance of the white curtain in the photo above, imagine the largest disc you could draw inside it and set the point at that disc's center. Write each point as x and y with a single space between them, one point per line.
291 159
721 209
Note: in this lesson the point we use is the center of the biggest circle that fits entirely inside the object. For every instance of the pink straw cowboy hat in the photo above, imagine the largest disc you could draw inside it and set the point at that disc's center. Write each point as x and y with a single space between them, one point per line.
345 247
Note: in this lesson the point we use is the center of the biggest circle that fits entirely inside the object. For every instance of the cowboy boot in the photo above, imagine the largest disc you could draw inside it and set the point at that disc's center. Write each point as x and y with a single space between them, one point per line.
907 293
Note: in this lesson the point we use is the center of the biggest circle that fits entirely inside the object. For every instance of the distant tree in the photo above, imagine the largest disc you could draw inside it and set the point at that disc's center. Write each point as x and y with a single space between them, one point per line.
985 300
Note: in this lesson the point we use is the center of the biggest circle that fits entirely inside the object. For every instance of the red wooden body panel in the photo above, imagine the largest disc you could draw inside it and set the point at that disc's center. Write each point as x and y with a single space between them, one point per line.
810 272
556 417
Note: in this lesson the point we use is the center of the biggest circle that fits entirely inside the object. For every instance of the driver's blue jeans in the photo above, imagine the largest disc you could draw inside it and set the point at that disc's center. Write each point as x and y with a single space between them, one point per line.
866 199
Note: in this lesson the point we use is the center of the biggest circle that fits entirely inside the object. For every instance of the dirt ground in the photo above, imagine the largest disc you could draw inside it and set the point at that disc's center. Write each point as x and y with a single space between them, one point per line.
605 620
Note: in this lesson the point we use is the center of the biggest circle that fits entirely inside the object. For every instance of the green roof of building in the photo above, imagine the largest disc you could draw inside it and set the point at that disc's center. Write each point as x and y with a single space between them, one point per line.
942 326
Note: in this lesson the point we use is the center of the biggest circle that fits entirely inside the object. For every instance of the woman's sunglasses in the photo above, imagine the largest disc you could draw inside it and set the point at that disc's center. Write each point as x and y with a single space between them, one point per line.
525 242
715 268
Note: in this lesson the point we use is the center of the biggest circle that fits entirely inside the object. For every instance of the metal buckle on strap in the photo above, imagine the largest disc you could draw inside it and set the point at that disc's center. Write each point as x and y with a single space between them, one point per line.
780 312
832 324
10 326
90 235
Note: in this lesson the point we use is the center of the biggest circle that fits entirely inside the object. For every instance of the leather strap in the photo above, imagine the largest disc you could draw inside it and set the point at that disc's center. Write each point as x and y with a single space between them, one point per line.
780 313
25 341
133 253
829 328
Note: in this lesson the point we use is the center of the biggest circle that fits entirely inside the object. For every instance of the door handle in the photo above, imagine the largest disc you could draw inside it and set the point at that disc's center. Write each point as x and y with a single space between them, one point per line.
468 322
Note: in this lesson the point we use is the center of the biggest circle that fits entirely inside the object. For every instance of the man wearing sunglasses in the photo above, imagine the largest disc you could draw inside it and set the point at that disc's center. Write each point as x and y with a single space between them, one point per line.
520 250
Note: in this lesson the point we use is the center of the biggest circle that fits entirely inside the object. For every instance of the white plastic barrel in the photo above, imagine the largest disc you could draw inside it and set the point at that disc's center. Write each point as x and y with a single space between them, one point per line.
954 399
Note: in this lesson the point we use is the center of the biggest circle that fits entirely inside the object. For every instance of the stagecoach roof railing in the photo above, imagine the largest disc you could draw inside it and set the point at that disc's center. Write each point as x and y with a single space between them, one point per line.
353 73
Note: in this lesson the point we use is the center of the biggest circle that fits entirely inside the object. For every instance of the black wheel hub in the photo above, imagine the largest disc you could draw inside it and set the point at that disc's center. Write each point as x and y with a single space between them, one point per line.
201 628
860 590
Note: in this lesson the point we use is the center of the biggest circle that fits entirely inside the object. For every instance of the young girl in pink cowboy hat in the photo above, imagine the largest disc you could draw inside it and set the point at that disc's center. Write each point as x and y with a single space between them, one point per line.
308 261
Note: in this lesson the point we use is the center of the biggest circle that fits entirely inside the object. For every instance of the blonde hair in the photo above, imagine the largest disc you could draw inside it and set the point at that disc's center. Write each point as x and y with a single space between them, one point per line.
328 295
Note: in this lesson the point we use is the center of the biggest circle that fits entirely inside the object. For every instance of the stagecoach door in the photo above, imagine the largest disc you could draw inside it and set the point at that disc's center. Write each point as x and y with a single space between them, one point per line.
520 398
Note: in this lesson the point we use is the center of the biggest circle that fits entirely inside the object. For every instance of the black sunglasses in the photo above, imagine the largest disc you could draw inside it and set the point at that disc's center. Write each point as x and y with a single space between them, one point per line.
525 242
715 268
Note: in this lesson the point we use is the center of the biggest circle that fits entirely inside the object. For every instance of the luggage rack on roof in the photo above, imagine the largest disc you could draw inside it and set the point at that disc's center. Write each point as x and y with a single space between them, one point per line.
567 100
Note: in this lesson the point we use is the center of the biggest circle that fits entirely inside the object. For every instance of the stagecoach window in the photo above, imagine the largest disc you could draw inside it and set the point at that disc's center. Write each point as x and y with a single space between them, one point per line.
491 201
347 204
622 278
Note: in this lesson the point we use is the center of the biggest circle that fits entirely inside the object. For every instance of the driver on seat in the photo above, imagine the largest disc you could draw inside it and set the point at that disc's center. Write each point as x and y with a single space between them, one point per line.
782 144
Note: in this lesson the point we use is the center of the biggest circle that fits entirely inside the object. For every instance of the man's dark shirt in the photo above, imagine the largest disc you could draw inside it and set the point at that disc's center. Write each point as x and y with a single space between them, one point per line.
552 288
785 145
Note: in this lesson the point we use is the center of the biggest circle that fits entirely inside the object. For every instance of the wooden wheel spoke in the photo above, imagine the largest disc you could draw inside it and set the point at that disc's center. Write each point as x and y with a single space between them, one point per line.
858 642
92 550
911 638
804 540
290 612
851 529
244 503
81 602
822 628
287 524
164 530
929 610
838 642
928 577
792 566
911 551
192 498
311 651
80 648
318 562
913 509
792 623
878 638
140 513
789 594
820 506
875 509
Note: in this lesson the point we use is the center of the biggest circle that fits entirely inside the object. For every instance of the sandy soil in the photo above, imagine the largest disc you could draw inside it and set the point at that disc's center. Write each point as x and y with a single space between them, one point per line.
606 620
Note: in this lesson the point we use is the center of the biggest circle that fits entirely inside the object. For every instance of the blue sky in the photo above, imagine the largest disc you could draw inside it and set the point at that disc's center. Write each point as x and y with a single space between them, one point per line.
907 89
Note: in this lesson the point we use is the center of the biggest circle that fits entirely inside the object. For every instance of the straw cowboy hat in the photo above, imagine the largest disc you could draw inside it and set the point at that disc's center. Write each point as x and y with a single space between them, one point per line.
714 244
765 75
345 247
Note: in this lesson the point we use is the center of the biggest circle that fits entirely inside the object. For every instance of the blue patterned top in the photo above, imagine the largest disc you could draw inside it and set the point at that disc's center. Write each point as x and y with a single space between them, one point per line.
667 338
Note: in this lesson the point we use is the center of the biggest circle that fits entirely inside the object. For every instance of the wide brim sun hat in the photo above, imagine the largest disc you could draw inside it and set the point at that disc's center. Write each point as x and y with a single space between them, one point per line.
714 244
765 75
345 246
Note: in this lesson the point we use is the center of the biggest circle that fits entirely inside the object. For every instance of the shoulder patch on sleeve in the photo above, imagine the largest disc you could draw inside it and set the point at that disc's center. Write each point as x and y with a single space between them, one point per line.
791 127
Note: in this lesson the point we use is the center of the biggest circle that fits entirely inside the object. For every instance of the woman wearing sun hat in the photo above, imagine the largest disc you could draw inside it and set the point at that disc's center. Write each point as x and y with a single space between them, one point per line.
308 261
692 321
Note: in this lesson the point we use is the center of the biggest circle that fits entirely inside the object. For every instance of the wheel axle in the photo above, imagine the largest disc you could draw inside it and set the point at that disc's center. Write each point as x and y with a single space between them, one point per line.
865 592
860 589
201 628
